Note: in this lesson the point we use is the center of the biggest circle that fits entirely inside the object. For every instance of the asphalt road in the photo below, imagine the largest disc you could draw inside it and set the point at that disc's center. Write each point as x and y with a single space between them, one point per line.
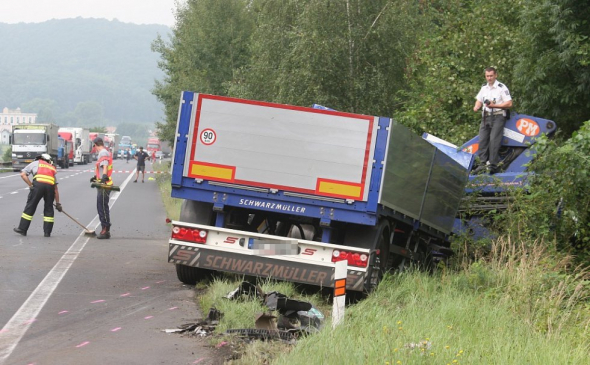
74 299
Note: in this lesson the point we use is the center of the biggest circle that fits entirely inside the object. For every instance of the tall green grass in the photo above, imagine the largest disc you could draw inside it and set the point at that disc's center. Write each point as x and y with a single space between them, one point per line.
517 307
172 205
522 304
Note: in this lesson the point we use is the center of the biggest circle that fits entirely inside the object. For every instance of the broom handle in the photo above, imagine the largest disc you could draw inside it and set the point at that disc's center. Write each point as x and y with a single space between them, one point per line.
72 218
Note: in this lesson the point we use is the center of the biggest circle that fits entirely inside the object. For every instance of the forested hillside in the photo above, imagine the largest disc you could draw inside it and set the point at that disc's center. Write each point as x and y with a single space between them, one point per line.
88 72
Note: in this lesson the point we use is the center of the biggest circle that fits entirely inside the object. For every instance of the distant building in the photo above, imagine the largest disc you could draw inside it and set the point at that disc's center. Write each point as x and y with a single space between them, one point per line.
10 117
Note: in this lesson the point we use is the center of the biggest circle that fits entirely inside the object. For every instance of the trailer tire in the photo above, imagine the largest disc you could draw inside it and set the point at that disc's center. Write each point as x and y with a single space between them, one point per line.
373 238
379 260
191 275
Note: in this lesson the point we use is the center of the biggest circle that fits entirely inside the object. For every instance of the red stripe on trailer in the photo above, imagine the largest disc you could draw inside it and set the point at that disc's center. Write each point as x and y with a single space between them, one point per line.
366 163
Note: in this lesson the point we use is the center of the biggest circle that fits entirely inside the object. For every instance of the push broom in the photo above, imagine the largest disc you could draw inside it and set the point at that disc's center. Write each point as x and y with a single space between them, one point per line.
87 231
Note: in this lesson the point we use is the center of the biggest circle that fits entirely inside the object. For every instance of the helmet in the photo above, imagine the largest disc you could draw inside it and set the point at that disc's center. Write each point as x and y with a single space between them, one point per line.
45 157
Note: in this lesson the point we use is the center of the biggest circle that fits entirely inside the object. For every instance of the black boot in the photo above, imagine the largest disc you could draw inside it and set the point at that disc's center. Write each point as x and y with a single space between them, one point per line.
23 226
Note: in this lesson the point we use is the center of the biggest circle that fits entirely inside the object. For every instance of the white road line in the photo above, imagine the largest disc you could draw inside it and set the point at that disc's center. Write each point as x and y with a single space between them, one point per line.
6 177
21 321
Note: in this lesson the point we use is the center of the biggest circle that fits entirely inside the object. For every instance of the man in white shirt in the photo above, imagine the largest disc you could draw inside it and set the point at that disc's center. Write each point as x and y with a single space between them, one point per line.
496 100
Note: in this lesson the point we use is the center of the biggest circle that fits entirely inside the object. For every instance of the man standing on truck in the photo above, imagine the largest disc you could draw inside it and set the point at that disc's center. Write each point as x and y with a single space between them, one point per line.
140 156
496 99
44 186
103 171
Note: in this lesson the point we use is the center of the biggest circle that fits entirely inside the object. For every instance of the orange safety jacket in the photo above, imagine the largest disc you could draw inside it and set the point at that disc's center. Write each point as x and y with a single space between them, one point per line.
109 168
45 173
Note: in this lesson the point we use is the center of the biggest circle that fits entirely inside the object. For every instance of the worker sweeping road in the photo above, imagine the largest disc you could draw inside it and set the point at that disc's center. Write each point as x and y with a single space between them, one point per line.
44 186
103 171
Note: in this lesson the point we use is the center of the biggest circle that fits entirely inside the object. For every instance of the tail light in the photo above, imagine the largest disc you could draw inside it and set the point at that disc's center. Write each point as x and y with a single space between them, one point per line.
358 259
189 234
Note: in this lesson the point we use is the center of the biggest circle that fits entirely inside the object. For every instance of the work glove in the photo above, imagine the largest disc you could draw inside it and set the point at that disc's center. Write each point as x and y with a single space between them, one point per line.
105 178
93 179
58 207
31 187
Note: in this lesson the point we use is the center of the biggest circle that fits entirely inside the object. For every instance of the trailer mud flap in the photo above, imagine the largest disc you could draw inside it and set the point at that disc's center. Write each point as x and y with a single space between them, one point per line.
267 267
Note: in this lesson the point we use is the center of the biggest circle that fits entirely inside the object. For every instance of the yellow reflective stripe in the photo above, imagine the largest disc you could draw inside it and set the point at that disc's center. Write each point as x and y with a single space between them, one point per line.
48 219
45 179
27 217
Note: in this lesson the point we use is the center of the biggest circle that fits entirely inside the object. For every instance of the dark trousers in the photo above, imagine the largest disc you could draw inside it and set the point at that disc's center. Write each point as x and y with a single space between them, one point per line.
491 131
102 205
40 190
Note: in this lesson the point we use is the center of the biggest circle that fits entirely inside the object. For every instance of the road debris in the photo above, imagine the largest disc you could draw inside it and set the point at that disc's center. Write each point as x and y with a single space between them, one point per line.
286 320
295 317
202 328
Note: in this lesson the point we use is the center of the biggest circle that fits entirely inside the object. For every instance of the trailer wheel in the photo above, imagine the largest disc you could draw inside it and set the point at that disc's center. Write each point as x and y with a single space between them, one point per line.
376 239
379 261
191 275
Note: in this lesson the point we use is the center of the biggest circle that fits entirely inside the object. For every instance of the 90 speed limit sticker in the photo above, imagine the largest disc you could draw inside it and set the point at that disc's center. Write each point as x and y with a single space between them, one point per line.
208 136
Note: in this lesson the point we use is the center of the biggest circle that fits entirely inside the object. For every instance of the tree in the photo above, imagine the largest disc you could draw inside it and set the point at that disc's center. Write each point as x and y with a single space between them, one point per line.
348 55
46 109
447 68
209 42
557 201
98 129
553 68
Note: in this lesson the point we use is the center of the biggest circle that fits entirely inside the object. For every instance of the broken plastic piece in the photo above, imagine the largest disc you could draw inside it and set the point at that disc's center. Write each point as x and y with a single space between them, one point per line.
266 321
263 334
245 288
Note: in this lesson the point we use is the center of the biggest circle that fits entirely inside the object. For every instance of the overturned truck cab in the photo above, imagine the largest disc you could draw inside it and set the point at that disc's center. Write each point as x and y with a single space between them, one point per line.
285 192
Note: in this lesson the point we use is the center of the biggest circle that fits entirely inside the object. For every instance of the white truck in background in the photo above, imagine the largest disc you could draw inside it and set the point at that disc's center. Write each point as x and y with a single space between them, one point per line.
32 140
82 144
113 143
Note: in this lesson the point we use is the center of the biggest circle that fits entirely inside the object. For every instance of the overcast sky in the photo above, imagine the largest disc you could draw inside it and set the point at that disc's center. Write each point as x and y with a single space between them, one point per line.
127 11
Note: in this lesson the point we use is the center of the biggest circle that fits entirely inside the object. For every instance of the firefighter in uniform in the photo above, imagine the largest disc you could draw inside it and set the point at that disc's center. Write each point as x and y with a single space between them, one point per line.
103 171
44 186
496 100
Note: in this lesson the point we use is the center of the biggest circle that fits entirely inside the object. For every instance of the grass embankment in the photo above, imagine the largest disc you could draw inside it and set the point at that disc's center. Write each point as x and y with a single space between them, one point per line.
522 305
172 205
517 308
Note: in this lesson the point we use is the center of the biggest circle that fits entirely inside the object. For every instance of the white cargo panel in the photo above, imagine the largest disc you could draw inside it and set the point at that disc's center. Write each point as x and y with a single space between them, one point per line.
281 147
